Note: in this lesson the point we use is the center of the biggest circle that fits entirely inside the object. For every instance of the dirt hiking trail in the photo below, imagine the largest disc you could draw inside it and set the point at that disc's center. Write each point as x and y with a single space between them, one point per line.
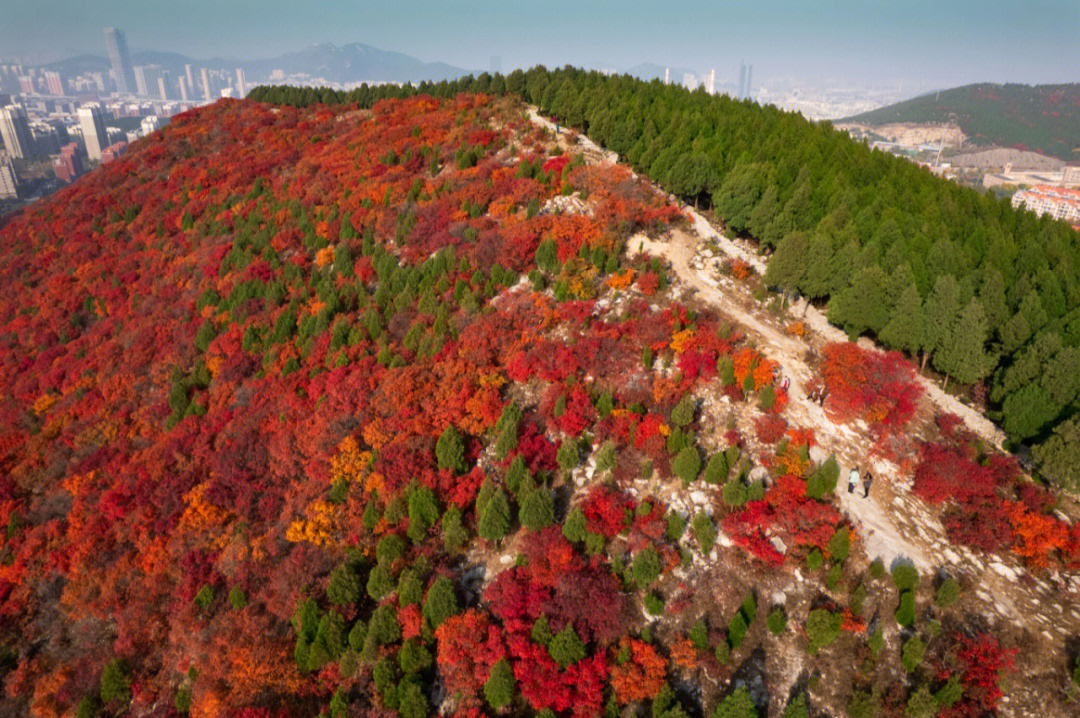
891 524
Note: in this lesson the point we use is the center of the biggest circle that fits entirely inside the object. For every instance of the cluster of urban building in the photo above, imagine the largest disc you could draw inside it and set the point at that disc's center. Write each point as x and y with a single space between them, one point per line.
814 103
75 122
1054 200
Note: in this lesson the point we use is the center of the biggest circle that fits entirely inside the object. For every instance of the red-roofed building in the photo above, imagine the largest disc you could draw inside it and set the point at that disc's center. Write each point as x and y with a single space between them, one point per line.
1058 202
113 151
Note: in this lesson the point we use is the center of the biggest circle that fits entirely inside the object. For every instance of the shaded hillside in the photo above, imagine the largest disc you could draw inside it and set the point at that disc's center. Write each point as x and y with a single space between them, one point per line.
1041 118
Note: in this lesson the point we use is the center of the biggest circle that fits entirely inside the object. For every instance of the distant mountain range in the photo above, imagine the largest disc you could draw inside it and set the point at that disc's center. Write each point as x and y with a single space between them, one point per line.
1041 118
355 62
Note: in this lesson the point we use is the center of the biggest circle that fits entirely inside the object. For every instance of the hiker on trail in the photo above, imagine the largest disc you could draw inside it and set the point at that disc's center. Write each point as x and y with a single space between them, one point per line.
866 484
785 383
853 479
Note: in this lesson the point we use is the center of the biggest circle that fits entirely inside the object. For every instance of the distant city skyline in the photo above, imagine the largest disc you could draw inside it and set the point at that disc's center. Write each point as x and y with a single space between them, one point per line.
919 43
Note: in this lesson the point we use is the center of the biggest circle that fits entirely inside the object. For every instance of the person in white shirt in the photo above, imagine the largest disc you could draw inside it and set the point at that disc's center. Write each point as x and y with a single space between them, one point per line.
853 480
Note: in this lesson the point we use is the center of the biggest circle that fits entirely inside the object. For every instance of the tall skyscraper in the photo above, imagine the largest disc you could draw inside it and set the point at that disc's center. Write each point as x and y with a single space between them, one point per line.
190 79
121 63
93 130
184 88
15 131
749 74
742 80
208 92
241 83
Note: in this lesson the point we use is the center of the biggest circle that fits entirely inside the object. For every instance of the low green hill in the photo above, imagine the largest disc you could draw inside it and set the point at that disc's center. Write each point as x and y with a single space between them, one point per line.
1043 118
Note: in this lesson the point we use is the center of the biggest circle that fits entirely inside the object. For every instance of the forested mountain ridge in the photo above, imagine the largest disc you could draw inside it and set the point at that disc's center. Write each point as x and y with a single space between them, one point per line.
1042 118
985 294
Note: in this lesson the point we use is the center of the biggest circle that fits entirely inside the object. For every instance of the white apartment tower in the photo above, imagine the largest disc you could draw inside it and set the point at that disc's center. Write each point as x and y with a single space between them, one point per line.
241 83
208 94
15 131
93 130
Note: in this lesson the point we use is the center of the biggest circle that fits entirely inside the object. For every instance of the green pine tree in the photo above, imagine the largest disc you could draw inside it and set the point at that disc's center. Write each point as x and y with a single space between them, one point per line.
537 509
441 601
962 354
450 450
906 329
787 267
495 518
940 311
566 648
862 306
574 526
499 688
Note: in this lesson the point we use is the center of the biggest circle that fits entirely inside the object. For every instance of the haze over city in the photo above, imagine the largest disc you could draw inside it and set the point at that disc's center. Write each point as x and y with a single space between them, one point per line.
917 43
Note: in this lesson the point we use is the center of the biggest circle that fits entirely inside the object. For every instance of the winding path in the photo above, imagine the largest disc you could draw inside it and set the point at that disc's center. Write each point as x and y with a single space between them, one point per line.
892 523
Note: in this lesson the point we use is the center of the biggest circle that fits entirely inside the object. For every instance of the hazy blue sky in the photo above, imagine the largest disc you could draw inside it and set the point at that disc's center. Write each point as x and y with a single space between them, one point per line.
924 43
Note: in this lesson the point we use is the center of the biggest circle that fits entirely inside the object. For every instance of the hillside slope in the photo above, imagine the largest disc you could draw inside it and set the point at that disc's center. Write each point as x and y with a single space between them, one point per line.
414 409
1041 118
983 294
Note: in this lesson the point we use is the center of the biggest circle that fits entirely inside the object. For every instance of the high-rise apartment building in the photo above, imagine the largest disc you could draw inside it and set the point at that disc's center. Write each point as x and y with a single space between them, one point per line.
208 93
15 131
140 81
9 181
153 73
121 63
54 83
183 88
46 139
68 165
150 124
241 83
93 131
190 79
